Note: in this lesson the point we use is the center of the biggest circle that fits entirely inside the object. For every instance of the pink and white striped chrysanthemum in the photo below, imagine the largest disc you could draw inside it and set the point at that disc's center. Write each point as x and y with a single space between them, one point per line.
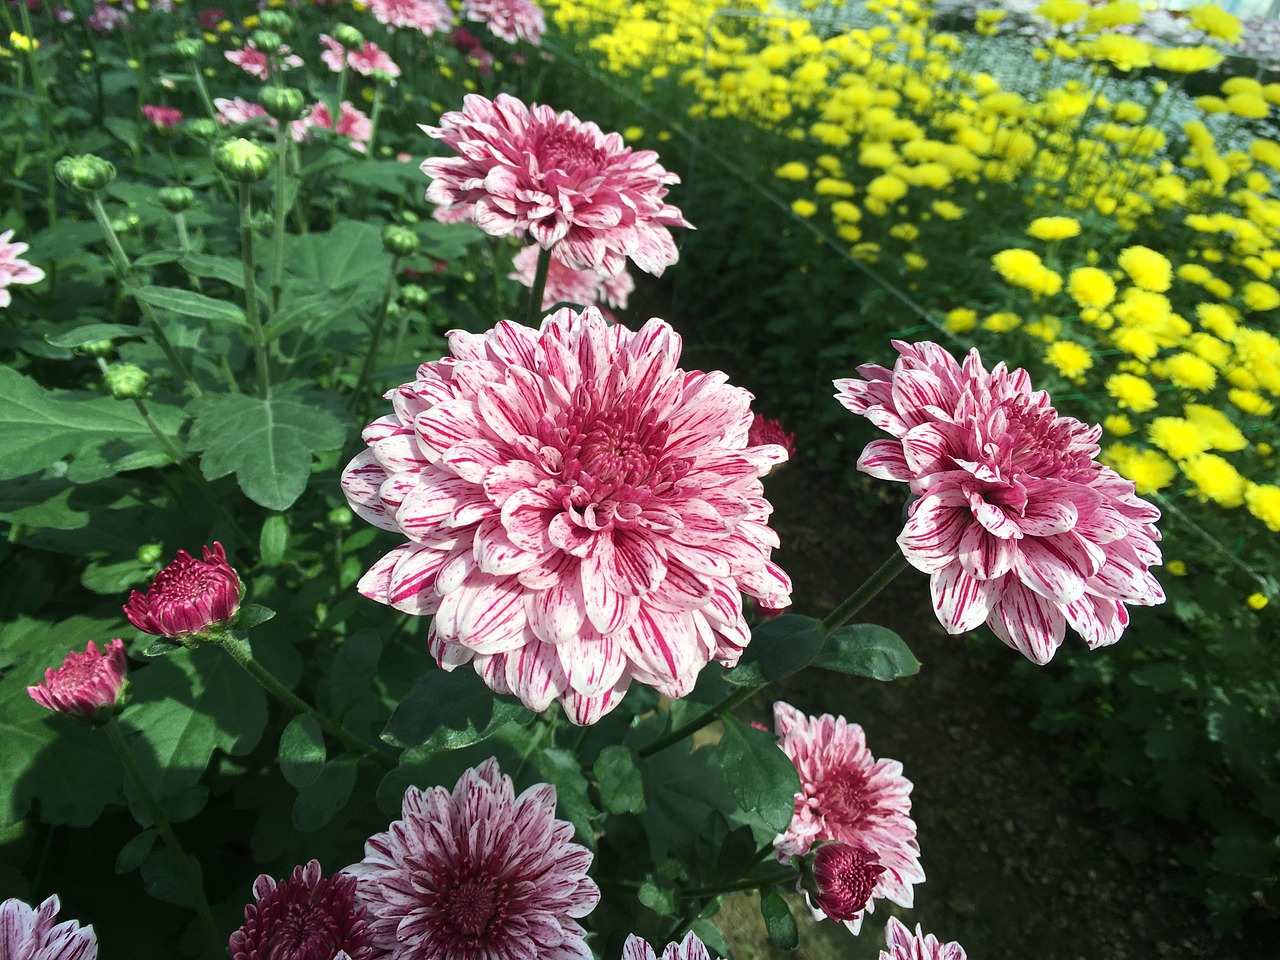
552 179
428 16
367 61
508 20
905 945
690 948
29 933
567 285
1017 523
848 796
477 874
581 512
13 269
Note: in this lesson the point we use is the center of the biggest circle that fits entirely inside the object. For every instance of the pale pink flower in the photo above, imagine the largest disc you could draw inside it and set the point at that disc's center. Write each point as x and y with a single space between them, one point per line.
567 285
509 20
28 933
165 118
691 948
334 55
581 512
87 684
368 60
306 917
904 945
257 63
352 123
105 18
477 874
188 597
13 269
1017 523
240 110
848 796
429 16
537 175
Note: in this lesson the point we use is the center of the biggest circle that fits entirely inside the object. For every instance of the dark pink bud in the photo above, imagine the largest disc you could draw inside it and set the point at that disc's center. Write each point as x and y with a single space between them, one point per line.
188 597
766 430
87 684
846 876
307 917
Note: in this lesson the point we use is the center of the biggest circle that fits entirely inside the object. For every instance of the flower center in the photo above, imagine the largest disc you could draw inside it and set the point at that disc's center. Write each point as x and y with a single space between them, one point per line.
474 906
842 798
571 152
304 935
183 584
1024 438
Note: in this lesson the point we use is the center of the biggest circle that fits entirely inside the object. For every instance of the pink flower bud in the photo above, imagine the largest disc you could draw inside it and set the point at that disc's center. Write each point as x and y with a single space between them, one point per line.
846 876
188 597
87 684
767 430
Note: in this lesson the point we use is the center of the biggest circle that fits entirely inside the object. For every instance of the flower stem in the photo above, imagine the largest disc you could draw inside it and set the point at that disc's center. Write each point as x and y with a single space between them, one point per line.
379 322
698 722
746 883
374 114
203 90
539 285
251 293
870 587
280 210
194 888
243 655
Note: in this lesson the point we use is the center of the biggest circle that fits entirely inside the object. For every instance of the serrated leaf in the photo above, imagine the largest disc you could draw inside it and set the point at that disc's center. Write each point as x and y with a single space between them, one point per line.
867 650
621 783
682 790
348 256
779 647
267 444
309 311
450 710
354 667
135 851
661 900
778 921
188 303
769 790
322 800
91 332
253 614
302 751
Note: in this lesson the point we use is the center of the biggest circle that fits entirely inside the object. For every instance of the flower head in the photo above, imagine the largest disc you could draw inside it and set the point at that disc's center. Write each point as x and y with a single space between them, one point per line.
87 684
767 430
849 797
28 933
428 16
690 948
163 118
1016 521
537 175
307 917
352 123
13 269
905 945
567 285
509 20
477 874
581 512
188 597
260 63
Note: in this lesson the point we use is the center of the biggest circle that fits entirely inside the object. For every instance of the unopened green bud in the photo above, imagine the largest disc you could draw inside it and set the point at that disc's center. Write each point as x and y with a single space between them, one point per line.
85 173
149 554
399 241
268 41
97 348
202 128
394 310
188 48
408 216
276 20
414 295
286 104
242 160
340 517
176 199
348 36
126 381
262 223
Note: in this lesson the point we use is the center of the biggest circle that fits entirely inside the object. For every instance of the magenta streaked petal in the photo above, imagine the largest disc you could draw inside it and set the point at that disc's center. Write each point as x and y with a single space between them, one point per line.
1099 620
1028 623
932 535
984 556
884 460
1055 567
962 602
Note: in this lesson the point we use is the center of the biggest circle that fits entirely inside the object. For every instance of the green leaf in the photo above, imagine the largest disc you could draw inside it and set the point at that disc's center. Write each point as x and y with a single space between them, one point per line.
163 878
867 650
661 899
267 444
251 615
273 539
321 800
779 647
450 710
712 937
561 769
227 269
349 255
769 790
621 784
310 312
91 332
302 752
353 669
682 791
188 303
135 851
778 921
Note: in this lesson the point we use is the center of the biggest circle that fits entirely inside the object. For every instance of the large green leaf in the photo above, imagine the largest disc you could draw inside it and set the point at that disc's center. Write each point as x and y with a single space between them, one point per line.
99 435
867 650
188 303
267 444
349 255
768 791
779 647
450 710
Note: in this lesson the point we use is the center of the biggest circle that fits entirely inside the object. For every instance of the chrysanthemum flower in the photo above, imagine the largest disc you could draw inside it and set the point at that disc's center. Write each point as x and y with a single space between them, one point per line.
905 945
368 60
187 597
479 874
259 63
352 123
581 512
13 269
1017 522
848 796
163 118
567 285
509 20
845 878
307 917
28 933
690 948
87 684
551 178
428 16
767 430
240 110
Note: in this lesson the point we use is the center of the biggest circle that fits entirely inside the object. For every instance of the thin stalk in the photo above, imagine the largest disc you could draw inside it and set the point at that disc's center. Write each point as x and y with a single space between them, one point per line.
373 119
379 321
189 879
240 652
180 223
870 587
698 722
203 90
280 210
251 293
46 119
747 883
539 285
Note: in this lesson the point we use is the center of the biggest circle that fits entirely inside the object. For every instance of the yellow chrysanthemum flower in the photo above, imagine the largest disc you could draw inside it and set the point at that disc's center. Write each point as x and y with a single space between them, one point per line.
1069 358
1256 601
1146 268
793 170
1117 424
1260 296
1215 479
1131 392
1091 287
1263 501
1053 228
960 320
1216 22
1188 371
1177 437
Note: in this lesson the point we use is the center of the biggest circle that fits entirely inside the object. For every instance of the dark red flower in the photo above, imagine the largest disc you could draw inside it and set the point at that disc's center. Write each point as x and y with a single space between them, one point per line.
846 878
187 597
307 917
87 684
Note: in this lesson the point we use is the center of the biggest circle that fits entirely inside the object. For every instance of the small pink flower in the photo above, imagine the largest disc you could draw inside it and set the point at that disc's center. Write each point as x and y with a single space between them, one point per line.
260 63
188 597
106 18
767 430
509 20
567 285
691 948
240 110
476 54
87 684
307 917
370 60
334 54
352 123
531 173
904 945
580 511
13 269
429 16
846 878
848 796
165 118
477 874
28 933
1017 523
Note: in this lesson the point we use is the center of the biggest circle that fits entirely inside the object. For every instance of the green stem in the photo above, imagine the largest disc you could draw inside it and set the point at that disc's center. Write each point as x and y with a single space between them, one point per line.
379 321
203 90
870 587
243 655
184 241
189 878
281 210
539 285
698 722
747 883
373 119
251 293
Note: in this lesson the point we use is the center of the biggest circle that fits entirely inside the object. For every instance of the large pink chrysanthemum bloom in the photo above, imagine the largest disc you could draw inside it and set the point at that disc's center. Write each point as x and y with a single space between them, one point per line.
581 512
690 948
428 16
905 945
13 269
567 285
87 684
306 917
1017 523
552 179
477 874
188 597
508 20
848 796
29 933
